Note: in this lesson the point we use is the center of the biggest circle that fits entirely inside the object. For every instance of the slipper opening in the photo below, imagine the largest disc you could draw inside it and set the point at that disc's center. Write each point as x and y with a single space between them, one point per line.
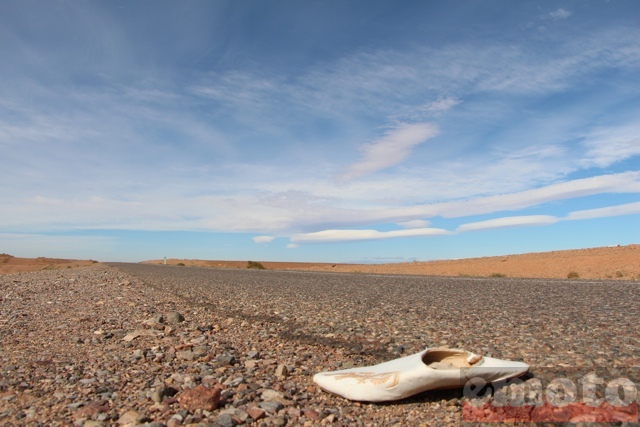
449 359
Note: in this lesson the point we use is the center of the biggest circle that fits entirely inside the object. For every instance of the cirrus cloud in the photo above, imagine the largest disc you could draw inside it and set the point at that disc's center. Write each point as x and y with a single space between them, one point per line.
393 148
263 239
335 236
506 222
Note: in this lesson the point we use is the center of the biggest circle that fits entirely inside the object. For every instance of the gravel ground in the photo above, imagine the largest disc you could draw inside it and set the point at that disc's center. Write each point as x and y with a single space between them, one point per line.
103 345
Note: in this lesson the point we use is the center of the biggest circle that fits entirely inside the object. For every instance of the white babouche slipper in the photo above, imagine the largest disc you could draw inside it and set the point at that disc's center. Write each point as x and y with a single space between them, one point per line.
430 369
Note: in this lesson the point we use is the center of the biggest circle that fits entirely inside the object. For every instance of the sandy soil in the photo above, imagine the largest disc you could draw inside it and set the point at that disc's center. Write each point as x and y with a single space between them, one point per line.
619 263
11 264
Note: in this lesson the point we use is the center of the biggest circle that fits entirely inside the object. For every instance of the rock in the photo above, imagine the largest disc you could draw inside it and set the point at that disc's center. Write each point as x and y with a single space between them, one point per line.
225 420
226 358
233 382
160 393
282 371
129 417
200 397
278 421
256 413
271 407
201 350
241 415
175 317
253 354
271 395
312 415
93 408
92 423
185 355
139 333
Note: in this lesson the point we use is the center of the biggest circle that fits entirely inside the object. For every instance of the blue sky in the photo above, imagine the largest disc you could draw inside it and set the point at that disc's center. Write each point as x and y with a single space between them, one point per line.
338 131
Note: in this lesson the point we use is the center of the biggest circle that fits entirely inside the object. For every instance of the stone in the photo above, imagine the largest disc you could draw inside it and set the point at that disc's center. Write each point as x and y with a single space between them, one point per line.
129 417
256 413
200 397
139 333
311 415
225 420
282 371
175 317
93 408
161 392
201 350
270 395
241 415
185 355
271 407
226 358
233 382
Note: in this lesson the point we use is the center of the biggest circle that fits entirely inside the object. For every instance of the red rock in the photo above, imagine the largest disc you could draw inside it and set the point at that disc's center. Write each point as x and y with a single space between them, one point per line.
311 414
200 397
91 409
256 413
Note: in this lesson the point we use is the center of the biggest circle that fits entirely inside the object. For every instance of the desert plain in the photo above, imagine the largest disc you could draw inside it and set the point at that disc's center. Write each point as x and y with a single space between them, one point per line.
213 343
616 262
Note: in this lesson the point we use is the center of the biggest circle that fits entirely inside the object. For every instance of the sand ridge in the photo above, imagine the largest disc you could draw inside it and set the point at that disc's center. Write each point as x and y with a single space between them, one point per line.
615 263
11 264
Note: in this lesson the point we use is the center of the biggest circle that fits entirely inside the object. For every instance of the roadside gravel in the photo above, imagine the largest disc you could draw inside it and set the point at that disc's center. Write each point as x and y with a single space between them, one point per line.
106 345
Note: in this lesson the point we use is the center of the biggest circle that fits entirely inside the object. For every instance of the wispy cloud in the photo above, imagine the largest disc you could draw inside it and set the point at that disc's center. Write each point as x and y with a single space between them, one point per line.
263 239
609 211
393 148
606 146
627 182
560 13
335 236
507 222
416 223
537 220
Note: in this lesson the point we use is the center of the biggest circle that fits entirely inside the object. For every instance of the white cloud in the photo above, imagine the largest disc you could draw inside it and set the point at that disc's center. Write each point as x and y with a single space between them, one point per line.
336 236
507 222
627 182
393 148
442 104
263 239
416 223
606 146
618 210
560 14
292 246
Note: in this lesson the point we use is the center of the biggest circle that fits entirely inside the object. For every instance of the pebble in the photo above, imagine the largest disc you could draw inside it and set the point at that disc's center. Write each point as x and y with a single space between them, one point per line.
175 317
271 407
226 420
260 357
256 413
200 397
